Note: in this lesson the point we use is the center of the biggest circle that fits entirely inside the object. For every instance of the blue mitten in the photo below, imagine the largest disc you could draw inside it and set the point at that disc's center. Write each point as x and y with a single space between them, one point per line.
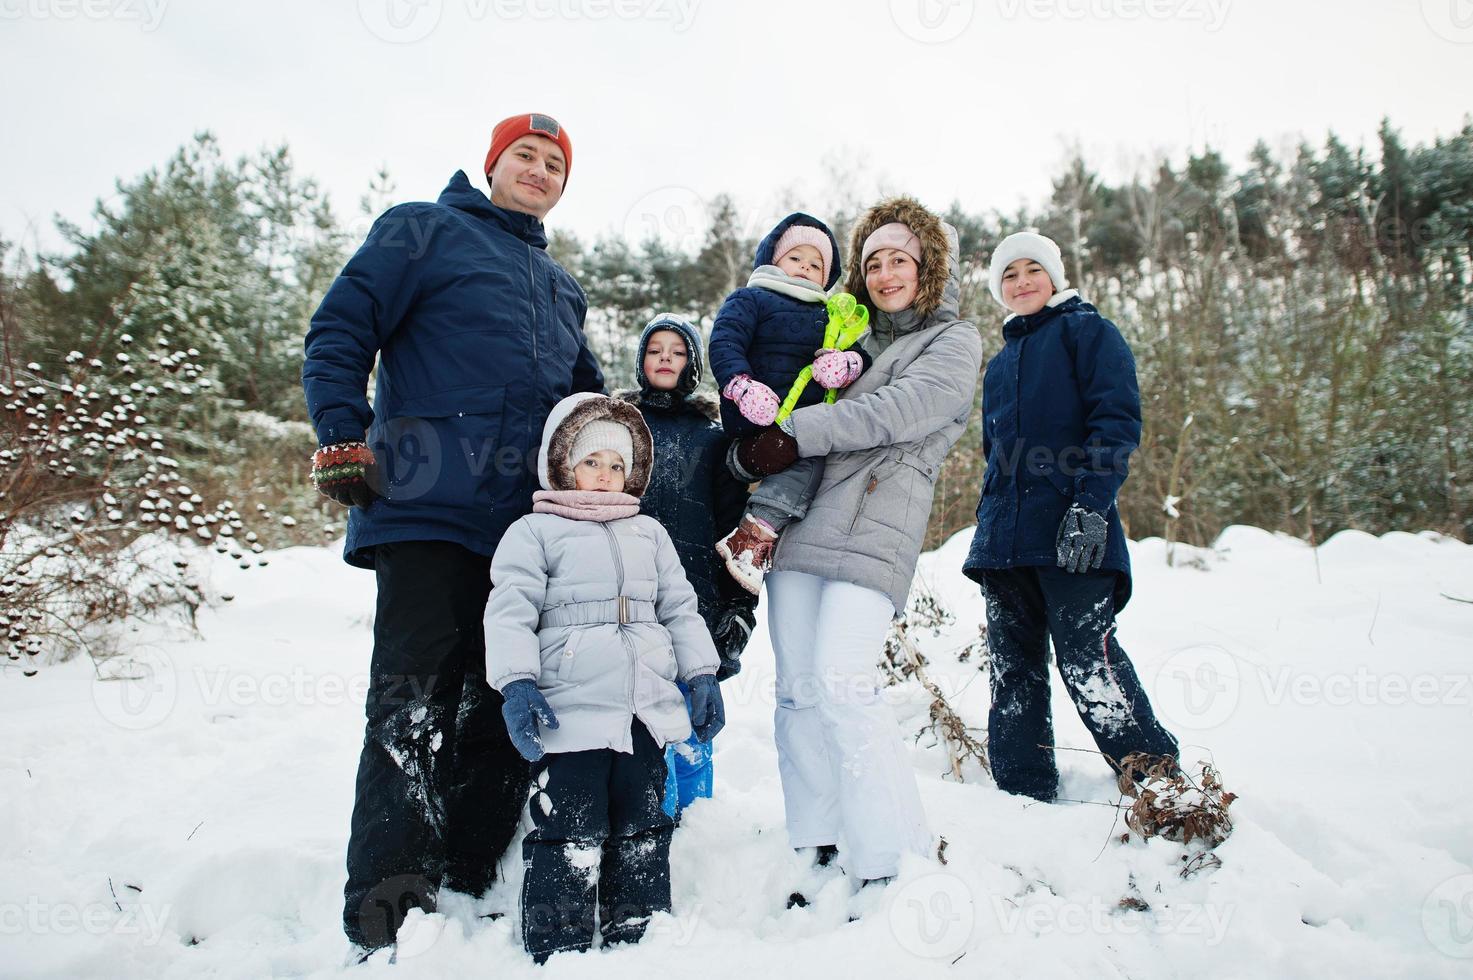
707 713
524 707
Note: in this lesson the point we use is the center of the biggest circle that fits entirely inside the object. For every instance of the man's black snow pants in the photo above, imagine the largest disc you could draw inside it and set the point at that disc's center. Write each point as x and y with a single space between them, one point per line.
440 788
1026 606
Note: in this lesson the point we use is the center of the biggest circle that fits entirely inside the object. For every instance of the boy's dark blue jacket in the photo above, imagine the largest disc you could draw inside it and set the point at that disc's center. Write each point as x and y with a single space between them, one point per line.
693 495
767 335
1061 414
478 333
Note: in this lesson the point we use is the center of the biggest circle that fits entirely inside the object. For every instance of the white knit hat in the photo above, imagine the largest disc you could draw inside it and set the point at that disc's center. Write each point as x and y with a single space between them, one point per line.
602 434
1026 245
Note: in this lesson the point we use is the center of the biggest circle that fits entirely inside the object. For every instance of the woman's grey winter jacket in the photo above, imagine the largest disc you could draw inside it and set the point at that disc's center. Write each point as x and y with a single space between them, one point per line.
885 437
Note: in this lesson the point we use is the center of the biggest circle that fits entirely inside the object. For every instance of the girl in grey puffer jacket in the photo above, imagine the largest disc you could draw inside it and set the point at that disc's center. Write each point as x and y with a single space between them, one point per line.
590 623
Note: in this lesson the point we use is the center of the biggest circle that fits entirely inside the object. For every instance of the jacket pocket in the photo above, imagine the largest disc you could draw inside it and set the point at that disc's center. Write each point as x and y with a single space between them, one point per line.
872 483
458 401
566 658
440 449
564 314
662 662
1061 483
903 480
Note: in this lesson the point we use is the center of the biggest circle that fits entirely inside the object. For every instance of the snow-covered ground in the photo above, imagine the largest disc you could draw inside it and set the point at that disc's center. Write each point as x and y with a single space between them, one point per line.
192 822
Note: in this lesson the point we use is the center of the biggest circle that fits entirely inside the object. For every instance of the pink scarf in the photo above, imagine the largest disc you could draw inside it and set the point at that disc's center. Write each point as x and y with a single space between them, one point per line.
585 505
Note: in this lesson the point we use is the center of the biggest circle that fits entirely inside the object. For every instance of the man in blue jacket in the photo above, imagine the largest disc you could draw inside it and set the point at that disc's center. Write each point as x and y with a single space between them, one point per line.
477 333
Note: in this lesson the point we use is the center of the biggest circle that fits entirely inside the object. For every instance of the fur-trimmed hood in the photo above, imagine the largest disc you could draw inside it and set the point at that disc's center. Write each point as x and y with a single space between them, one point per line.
702 403
940 257
567 419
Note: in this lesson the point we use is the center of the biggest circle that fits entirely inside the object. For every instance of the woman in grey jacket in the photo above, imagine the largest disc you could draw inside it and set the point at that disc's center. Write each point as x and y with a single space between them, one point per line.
842 573
590 623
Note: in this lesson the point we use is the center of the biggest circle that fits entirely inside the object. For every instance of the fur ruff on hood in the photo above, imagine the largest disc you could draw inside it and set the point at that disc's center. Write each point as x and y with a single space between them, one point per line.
703 403
935 266
568 417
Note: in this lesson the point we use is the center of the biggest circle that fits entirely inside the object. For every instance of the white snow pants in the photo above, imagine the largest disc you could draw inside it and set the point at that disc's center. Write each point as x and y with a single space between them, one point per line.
845 777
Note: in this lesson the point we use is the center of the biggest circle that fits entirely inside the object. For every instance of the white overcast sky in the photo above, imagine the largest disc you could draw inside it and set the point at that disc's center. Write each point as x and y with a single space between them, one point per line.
670 101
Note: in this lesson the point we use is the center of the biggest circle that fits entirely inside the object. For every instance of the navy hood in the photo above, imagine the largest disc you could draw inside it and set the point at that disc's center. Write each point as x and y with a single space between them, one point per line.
691 376
462 196
765 248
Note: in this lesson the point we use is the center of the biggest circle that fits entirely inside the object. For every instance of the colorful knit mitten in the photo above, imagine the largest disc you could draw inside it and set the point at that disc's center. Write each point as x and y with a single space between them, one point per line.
340 472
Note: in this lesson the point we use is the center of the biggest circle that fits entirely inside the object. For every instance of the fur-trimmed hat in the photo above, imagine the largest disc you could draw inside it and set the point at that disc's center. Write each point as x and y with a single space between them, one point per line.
568 418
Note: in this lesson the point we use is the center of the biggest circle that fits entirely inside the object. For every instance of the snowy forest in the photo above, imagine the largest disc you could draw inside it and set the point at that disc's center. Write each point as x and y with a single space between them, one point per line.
1302 324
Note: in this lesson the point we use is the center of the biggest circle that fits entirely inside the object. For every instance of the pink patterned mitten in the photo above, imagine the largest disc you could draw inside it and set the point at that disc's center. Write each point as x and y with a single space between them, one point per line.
837 368
757 402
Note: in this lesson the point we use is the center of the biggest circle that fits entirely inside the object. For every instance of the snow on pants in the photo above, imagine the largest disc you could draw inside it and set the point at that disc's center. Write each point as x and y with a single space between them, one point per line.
598 829
690 773
1025 606
440 788
844 773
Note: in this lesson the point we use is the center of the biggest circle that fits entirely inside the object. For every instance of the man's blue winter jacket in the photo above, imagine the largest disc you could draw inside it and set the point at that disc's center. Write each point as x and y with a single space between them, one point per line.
478 332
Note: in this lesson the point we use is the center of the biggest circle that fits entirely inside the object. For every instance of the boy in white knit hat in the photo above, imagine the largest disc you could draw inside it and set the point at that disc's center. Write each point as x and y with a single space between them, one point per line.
1033 269
1061 416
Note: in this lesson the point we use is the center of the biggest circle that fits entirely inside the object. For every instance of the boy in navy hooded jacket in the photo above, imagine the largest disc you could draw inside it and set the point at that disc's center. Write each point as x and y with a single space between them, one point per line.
1061 416
765 334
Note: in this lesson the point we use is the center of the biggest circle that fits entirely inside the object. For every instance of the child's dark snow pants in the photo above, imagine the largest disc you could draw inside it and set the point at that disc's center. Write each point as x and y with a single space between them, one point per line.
440 788
598 829
1025 606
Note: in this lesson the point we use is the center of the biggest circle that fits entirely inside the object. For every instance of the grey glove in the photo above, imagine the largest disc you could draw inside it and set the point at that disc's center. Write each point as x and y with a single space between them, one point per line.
1082 537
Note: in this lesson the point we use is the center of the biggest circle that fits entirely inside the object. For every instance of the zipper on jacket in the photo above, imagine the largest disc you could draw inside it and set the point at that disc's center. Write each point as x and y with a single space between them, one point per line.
618 558
532 302
1018 484
874 481
623 636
